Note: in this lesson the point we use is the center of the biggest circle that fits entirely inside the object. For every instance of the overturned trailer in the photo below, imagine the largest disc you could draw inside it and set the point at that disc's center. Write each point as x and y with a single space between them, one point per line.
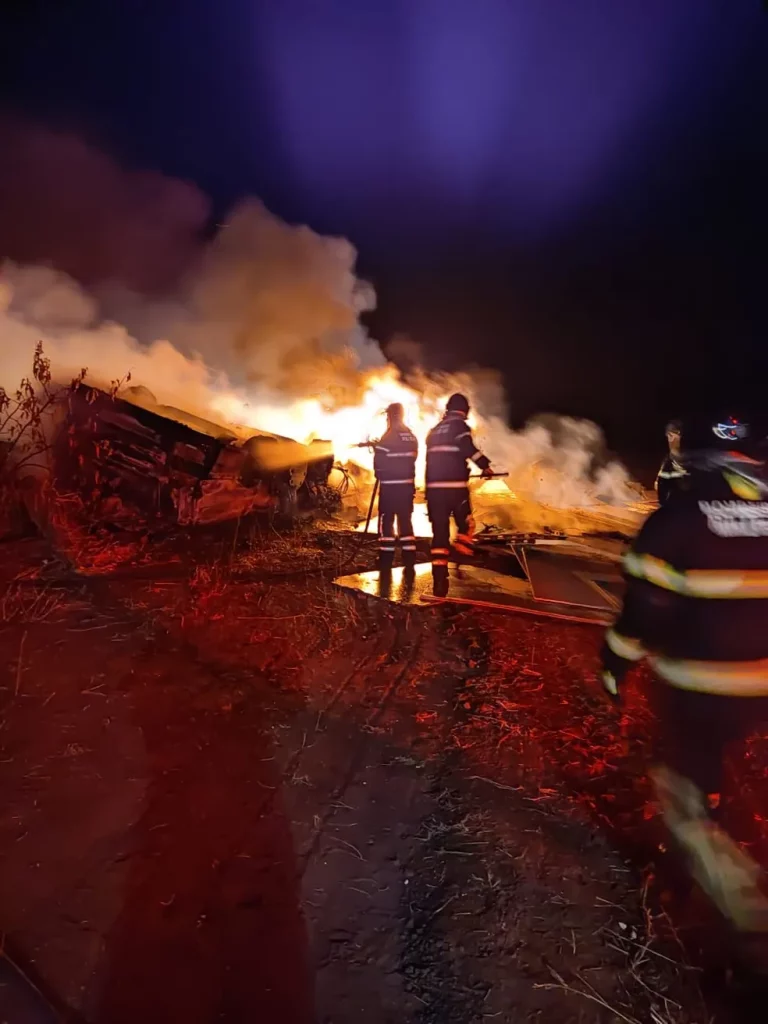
128 450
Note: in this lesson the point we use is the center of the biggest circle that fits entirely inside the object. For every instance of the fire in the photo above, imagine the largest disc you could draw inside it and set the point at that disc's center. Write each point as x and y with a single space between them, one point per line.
346 426
550 485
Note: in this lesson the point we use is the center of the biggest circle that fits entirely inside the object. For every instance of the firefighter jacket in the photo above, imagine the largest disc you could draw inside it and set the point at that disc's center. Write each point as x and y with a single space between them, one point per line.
696 599
449 447
671 479
394 457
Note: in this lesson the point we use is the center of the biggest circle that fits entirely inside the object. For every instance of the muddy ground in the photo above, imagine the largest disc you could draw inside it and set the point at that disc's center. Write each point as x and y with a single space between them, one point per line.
234 792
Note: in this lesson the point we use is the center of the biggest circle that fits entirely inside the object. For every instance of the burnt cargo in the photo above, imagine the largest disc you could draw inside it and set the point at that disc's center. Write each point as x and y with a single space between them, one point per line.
168 464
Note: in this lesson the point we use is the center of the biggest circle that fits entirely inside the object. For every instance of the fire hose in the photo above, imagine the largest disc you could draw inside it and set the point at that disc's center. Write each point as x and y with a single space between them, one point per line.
364 534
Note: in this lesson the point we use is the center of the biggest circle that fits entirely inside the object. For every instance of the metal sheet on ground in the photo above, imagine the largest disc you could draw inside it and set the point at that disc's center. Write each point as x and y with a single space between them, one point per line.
615 588
563 580
468 585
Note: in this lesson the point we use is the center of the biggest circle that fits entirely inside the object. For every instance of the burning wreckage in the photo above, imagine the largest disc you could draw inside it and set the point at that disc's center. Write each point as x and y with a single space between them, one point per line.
127 451
166 463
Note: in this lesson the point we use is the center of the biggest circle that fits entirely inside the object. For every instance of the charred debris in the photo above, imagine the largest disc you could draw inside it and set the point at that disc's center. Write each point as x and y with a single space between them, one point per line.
129 451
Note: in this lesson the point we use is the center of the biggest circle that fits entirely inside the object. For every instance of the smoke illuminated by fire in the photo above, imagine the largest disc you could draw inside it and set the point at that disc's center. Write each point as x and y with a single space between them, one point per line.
264 333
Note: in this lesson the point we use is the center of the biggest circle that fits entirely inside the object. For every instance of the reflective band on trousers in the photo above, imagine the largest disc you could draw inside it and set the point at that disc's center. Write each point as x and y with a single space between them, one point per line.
382 482
401 455
448 483
443 448
730 678
708 583
624 646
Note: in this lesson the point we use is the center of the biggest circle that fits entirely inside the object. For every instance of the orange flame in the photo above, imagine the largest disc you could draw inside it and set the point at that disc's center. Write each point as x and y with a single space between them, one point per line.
346 426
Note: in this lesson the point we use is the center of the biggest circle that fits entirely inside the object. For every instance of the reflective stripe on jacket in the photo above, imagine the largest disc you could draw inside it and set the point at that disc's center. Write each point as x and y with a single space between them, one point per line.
670 480
696 602
450 446
394 457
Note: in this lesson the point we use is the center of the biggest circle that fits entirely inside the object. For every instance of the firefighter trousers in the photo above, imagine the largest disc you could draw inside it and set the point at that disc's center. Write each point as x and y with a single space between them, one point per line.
396 506
443 504
697 729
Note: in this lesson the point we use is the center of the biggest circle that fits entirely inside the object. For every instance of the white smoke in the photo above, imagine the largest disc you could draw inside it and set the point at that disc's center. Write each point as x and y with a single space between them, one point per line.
275 306
269 312
38 304
262 321
560 462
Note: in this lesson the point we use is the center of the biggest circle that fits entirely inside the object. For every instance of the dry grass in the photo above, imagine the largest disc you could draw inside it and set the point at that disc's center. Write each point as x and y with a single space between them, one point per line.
25 604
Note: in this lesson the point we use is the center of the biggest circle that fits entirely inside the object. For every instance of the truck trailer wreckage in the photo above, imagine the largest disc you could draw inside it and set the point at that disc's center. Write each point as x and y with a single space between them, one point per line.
160 461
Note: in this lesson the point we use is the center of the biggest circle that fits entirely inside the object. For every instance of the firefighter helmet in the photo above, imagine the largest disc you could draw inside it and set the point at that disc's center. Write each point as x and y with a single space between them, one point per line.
730 429
718 433
673 427
458 403
672 432
395 413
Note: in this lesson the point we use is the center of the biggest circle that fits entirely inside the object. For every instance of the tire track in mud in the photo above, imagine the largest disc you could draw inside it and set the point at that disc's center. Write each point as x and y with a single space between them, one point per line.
357 668
447 868
358 755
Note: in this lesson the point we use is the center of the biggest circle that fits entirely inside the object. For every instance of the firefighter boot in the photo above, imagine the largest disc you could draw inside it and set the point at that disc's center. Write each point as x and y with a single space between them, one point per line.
728 876
409 579
439 580
385 581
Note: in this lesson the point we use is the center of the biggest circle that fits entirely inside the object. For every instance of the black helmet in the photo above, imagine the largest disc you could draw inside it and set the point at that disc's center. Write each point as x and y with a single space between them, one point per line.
731 429
458 403
673 427
718 433
395 413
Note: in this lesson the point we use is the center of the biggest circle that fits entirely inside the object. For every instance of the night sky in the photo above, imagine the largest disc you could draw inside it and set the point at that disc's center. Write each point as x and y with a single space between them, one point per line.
572 191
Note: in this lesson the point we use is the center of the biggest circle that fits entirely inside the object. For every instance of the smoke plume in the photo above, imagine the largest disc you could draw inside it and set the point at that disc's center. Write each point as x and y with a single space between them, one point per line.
260 324
65 203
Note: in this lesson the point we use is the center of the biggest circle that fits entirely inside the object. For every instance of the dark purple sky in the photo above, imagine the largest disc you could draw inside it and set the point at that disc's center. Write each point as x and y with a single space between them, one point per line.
547 185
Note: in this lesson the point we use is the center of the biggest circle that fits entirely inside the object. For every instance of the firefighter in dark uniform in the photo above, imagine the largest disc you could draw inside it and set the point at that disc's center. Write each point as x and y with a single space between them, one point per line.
672 475
696 607
449 448
394 463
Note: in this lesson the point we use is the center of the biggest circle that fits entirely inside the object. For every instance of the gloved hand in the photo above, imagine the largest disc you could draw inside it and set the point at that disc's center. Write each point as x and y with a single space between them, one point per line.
487 472
612 674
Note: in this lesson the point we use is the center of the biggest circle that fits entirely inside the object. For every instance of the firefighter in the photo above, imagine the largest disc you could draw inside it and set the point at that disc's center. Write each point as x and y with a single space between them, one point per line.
449 448
394 463
696 606
671 478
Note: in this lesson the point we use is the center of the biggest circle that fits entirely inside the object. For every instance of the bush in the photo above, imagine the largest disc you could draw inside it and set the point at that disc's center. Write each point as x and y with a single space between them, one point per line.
26 429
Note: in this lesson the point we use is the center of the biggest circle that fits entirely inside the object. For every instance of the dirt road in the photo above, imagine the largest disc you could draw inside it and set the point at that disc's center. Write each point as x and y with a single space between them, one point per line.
234 797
